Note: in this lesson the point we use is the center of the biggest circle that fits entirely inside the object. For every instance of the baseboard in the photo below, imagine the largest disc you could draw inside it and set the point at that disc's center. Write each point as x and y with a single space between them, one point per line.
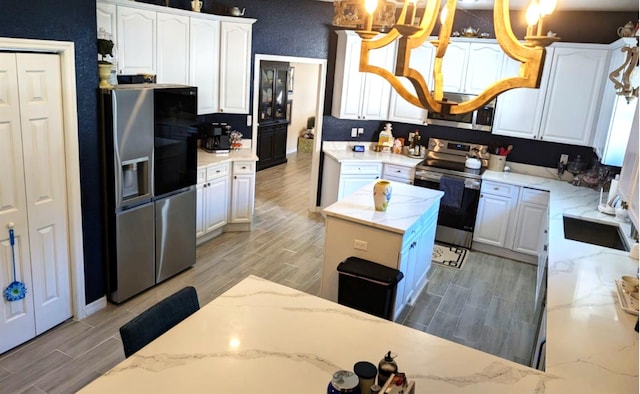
506 253
95 306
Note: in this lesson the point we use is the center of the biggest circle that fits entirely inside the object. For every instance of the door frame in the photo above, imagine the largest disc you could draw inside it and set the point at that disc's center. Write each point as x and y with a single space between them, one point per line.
317 142
66 51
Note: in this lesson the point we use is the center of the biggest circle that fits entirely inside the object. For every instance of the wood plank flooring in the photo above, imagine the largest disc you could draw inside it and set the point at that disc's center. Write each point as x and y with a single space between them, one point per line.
475 306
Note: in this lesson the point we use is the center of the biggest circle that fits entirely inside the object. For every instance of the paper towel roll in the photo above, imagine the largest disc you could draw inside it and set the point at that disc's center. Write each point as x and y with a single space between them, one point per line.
612 192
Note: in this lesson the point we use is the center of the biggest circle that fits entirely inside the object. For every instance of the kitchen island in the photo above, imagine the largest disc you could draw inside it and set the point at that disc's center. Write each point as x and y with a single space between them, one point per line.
401 238
262 337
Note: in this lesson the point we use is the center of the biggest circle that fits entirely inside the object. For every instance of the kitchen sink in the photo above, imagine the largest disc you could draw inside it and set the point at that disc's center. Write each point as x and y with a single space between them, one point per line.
594 233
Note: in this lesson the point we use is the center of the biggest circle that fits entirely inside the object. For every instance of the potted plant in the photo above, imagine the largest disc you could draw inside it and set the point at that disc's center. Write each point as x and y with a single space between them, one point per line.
105 49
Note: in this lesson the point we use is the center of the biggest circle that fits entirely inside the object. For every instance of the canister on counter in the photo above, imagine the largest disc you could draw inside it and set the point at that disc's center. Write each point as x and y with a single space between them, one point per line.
366 373
343 382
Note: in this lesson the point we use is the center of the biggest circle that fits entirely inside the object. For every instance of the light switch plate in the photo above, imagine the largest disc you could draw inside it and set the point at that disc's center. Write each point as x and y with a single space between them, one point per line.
564 158
248 120
354 132
360 130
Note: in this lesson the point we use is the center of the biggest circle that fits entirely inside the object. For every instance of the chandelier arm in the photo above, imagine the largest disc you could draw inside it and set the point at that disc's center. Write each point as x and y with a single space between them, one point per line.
490 93
508 41
632 55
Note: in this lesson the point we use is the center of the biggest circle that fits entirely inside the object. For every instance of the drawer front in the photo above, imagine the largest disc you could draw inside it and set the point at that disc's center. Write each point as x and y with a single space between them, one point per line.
201 176
391 170
499 189
361 168
244 167
217 171
535 196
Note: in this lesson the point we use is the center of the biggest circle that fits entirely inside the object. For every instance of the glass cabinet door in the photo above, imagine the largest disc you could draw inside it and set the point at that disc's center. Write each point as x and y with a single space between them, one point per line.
280 94
266 94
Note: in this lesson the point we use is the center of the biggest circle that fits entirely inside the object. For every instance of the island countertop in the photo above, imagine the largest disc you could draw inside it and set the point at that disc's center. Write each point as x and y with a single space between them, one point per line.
408 203
262 337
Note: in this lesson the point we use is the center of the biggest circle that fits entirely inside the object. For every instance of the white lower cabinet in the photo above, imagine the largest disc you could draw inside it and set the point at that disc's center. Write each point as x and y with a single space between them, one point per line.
397 173
495 212
212 196
513 218
243 191
225 194
340 179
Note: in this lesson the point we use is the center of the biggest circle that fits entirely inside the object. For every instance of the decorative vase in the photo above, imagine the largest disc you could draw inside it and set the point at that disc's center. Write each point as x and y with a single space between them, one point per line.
196 6
104 72
381 195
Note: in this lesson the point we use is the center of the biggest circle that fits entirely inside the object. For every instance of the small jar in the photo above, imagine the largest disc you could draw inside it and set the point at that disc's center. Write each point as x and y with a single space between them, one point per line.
366 374
343 382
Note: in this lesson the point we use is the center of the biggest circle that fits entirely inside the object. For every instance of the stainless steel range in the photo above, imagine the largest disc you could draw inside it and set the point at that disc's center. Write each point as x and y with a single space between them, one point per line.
446 167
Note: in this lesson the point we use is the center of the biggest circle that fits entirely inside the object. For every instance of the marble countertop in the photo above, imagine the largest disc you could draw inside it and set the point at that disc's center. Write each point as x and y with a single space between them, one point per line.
368 155
407 205
206 159
261 337
591 343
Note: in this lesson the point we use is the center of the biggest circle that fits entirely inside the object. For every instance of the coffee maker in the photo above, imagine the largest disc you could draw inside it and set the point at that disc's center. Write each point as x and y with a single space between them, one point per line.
214 137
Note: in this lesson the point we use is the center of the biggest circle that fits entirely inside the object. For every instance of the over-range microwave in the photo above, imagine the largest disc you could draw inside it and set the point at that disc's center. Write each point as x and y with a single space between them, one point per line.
479 119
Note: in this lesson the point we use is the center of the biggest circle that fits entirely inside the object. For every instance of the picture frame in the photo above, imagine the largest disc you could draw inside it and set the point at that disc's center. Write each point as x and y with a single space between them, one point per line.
289 106
290 80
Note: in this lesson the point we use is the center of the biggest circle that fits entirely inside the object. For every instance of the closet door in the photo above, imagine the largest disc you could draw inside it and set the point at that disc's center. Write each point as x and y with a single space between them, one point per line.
17 319
45 184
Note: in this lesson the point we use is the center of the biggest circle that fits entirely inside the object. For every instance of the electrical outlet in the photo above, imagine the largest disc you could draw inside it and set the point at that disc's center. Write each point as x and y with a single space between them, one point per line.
360 245
248 120
354 132
564 158
360 130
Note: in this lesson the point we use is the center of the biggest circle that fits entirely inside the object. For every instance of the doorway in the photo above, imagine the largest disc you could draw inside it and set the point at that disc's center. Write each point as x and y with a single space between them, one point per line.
309 75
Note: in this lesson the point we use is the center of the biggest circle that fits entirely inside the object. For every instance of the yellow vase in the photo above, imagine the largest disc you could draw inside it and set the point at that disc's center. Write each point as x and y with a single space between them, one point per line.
381 195
104 72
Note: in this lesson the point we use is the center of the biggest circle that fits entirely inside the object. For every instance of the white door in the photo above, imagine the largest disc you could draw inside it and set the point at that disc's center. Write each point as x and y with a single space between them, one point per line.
216 197
400 110
39 175
204 47
136 41
242 198
454 67
17 320
492 220
235 60
173 48
484 66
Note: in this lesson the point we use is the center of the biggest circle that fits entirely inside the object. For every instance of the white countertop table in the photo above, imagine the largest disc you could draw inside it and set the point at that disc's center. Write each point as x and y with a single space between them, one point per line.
261 337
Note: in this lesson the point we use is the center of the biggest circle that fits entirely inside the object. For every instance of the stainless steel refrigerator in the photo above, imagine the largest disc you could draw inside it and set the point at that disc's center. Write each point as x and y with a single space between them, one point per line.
149 173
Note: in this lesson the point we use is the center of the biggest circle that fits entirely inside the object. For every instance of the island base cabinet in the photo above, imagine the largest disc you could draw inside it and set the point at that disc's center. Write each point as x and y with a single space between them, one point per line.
405 252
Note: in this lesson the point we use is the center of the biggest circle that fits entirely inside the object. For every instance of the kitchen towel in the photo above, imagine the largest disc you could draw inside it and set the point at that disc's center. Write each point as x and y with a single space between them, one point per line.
453 189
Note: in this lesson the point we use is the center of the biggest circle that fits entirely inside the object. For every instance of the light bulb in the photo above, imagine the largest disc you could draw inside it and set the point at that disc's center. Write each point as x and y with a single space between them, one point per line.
547 6
443 14
533 13
370 6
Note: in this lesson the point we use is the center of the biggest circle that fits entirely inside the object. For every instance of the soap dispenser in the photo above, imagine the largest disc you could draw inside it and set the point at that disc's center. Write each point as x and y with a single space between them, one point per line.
386 367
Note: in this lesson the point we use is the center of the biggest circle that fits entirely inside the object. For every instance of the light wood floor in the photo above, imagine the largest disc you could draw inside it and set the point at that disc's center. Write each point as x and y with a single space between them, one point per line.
475 306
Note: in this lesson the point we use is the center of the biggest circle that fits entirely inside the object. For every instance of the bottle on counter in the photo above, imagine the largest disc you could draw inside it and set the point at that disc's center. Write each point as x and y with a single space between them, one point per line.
385 139
386 367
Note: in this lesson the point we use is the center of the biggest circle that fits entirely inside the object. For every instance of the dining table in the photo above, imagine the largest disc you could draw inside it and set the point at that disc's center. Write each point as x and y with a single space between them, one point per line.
263 337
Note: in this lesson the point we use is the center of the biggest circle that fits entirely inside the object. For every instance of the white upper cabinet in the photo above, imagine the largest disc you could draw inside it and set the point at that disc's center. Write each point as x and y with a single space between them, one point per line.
173 49
454 67
573 94
235 64
400 110
136 41
484 66
106 19
209 51
519 111
204 64
359 95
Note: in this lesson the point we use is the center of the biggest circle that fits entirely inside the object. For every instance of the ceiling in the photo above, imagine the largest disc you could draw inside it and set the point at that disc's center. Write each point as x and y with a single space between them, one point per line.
563 5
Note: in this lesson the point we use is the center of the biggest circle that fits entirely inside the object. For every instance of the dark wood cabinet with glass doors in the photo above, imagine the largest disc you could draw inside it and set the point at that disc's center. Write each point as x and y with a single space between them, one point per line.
272 114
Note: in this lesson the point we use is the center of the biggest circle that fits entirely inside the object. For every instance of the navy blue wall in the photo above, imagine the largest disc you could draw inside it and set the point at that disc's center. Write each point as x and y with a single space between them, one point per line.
284 27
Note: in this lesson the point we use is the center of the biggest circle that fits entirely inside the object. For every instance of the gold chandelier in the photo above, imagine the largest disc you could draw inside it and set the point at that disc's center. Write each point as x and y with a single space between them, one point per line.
410 35
623 86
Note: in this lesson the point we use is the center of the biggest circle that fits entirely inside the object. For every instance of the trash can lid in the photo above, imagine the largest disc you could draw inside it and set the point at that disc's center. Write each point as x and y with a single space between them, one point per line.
370 270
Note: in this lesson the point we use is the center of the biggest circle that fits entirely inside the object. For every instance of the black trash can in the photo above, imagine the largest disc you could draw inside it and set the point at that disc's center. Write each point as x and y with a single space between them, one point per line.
367 286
